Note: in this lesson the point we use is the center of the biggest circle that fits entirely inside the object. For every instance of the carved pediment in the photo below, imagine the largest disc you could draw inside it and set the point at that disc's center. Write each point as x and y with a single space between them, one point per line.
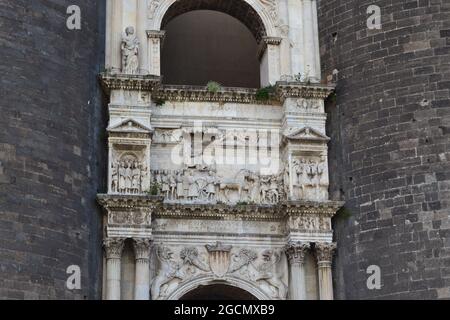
130 126
306 134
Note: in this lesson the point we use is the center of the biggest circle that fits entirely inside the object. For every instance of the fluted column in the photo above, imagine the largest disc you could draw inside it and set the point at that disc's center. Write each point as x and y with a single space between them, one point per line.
324 254
113 249
142 276
295 252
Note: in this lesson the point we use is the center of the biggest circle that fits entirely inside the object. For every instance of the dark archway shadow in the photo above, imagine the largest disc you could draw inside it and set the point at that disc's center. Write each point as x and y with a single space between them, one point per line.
203 45
218 292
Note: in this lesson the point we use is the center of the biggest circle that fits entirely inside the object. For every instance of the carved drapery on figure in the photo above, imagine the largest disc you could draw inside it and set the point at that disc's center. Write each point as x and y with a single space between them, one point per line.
130 52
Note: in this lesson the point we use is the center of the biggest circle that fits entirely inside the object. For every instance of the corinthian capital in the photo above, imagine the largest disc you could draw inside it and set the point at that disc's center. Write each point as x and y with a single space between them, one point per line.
142 249
296 251
113 247
324 252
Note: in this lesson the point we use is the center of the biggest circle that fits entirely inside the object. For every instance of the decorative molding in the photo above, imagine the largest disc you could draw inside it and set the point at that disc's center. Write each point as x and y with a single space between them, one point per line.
224 95
220 212
293 89
118 81
298 208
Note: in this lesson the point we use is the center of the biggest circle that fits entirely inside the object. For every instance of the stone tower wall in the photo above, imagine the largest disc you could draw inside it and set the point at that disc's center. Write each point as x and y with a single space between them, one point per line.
390 150
51 149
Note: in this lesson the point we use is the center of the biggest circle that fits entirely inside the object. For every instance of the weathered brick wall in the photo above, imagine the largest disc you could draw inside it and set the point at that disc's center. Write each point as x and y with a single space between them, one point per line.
51 145
390 153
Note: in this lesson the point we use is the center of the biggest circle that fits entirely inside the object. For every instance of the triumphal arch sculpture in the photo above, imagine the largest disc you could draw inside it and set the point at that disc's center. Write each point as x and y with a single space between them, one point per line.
213 185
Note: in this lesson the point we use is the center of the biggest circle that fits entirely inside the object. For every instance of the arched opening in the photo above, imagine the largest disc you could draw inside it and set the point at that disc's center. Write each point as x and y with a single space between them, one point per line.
218 292
202 46
210 40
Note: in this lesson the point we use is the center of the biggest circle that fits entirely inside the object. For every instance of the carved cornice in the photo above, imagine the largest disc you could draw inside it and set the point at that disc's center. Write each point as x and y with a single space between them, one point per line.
120 81
226 94
288 89
296 252
221 212
324 253
113 247
297 208
142 249
121 202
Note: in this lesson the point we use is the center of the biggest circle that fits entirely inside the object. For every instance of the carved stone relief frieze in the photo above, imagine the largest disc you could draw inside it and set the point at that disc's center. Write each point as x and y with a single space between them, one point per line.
129 172
309 178
204 185
263 267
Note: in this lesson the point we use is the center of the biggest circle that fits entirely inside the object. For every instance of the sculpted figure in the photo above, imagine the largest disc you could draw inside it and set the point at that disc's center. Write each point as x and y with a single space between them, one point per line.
180 188
114 178
165 184
193 190
168 271
189 256
136 180
172 185
130 52
211 186
122 177
268 272
242 259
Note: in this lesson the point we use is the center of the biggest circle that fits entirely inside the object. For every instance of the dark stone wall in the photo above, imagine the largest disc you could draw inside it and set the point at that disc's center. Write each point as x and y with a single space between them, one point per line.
51 148
390 153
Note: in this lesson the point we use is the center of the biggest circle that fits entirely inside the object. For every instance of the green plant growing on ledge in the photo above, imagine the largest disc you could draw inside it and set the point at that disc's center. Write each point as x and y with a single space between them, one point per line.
159 102
333 97
155 189
264 94
213 86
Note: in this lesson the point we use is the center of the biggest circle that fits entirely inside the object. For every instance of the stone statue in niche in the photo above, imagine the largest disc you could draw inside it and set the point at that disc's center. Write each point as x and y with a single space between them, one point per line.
130 52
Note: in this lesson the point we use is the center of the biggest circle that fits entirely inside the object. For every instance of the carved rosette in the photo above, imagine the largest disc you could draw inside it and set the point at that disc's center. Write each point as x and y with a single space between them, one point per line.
296 251
142 249
324 253
113 247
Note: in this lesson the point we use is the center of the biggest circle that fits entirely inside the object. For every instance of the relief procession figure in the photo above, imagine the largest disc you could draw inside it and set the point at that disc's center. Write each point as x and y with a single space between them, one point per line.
130 52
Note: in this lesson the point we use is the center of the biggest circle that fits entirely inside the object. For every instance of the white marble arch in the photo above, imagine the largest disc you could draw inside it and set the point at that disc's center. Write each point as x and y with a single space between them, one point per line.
206 280
269 24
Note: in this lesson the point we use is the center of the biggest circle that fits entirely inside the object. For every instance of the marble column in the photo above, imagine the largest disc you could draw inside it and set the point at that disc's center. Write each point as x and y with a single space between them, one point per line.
142 275
113 249
324 254
295 252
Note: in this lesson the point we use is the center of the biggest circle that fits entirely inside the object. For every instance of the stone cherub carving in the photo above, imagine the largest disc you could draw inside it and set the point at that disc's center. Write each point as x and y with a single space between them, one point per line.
130 52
